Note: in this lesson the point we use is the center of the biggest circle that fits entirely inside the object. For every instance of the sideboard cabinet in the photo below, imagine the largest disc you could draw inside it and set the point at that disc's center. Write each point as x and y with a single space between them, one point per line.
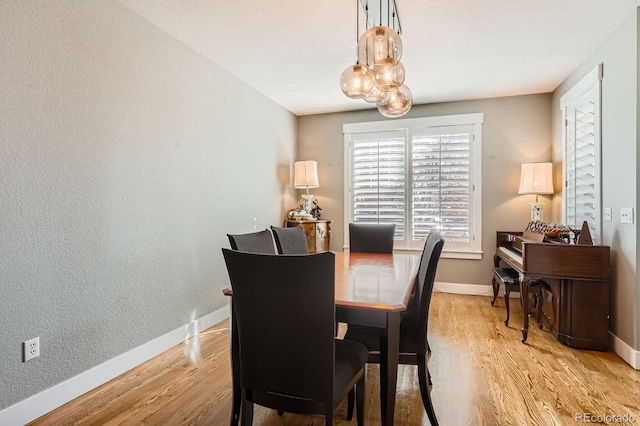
318 233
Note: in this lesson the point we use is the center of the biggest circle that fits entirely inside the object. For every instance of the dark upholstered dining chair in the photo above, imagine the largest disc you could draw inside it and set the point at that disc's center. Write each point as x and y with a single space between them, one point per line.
290 240
413 324
253 242
304 369
371 237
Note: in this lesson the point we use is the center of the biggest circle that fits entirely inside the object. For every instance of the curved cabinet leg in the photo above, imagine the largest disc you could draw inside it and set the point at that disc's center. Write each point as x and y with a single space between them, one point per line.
506 303
525 283
539 302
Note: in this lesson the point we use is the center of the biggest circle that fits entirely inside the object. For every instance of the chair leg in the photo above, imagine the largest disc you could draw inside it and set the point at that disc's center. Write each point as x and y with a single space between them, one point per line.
328 414
247 412
360 386
428 347
350 400
423 373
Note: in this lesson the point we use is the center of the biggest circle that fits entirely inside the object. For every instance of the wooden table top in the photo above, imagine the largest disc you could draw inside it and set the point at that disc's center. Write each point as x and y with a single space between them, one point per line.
381 282
375 281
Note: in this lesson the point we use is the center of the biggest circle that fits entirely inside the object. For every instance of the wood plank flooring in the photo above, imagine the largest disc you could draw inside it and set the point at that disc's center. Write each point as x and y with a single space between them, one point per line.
481 372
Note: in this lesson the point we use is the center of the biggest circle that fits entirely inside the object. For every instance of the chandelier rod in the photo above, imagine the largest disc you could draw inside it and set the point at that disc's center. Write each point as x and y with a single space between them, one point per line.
396 14
388 14
357 25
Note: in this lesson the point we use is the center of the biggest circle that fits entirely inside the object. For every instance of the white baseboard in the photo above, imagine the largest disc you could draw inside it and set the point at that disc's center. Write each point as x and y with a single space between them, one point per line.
626 352
40 404
458 288
471 289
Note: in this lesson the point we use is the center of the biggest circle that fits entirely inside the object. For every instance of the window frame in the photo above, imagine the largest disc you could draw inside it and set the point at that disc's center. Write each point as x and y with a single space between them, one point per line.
471 250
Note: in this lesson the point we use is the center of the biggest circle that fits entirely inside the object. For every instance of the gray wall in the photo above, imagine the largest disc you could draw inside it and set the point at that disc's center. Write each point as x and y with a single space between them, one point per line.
619 56
125 158
516 130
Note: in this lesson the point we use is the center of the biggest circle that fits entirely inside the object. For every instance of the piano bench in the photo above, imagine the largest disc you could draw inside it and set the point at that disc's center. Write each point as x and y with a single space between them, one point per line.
510 279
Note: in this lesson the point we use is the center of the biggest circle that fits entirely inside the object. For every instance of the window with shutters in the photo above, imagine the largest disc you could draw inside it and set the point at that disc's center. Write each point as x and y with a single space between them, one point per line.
421 174
581 154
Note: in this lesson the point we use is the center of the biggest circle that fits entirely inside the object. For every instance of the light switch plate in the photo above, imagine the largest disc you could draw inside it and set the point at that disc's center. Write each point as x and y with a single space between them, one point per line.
626 215
607 214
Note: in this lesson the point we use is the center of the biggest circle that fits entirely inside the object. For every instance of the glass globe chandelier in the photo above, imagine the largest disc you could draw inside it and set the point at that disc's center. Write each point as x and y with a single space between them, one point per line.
396 103
378 75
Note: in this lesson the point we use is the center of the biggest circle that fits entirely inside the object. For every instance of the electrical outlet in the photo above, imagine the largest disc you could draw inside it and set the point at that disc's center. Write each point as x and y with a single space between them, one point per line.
31 349
626 215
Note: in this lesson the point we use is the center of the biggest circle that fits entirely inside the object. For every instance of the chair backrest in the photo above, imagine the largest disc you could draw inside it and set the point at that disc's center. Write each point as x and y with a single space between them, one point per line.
253 242
371 238
290 240
416 318
286 328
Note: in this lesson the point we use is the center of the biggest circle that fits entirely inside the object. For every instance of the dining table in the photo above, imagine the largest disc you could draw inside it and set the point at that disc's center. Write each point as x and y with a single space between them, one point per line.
371 289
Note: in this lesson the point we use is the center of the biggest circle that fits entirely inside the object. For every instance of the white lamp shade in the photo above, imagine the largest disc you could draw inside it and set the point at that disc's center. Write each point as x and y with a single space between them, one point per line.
305 175
536 178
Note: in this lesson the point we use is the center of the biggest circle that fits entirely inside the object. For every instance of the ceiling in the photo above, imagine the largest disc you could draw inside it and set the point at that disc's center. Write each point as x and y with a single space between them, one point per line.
293 51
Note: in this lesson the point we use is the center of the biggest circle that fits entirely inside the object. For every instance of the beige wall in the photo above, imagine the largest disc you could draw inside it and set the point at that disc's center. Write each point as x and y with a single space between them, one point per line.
125 158
619 56
515 130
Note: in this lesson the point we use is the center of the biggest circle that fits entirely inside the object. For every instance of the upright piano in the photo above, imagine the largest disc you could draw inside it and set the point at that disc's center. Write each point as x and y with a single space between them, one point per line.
575 282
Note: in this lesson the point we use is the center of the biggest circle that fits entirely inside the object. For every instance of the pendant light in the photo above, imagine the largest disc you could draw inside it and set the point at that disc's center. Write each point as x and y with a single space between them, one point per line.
390 79
379 48
396 103
378 75
356 81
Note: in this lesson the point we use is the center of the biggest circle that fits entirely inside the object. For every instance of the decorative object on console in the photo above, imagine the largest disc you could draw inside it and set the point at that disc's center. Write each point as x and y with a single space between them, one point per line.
306 176
536 227
584 236
553 230
315 211
378 75
536 178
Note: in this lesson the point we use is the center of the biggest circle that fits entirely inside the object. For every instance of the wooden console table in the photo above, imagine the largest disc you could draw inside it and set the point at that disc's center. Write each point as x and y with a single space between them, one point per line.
318 233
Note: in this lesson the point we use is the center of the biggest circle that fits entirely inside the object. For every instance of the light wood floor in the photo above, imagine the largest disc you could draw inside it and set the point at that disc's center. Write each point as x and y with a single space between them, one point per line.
481 372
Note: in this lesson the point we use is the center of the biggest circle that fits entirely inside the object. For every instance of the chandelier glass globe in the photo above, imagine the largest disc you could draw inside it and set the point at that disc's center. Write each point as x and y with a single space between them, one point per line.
391 79
356 81
396 103
375 95
379 48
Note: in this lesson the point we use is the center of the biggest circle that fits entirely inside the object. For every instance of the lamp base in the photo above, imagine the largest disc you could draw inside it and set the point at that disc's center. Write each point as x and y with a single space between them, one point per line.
536 211
308 205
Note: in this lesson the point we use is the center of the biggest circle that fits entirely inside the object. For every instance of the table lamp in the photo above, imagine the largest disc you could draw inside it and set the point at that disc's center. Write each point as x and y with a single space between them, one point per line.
306 176
536 178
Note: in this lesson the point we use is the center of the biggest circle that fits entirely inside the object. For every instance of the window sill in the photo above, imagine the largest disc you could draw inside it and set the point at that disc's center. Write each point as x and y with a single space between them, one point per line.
450 254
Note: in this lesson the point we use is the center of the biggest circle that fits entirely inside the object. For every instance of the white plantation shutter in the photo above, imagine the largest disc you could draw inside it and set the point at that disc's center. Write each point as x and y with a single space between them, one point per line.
441 183
379 179
421 174
581 112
